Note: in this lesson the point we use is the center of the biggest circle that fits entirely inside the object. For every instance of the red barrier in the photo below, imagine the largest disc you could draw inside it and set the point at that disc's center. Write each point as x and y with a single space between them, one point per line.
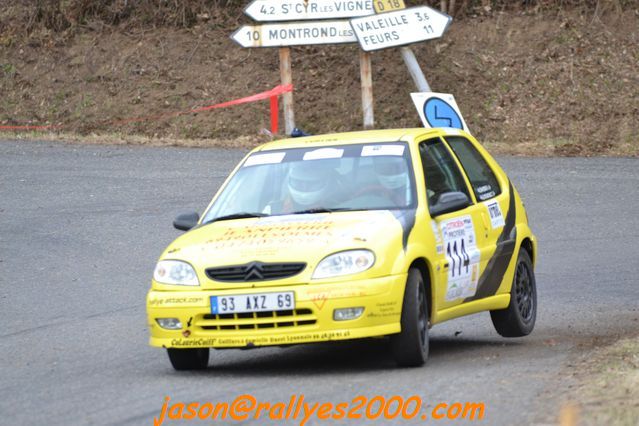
275 112
272 95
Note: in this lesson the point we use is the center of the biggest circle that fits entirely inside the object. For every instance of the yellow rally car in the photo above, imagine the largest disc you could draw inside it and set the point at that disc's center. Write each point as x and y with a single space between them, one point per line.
347 236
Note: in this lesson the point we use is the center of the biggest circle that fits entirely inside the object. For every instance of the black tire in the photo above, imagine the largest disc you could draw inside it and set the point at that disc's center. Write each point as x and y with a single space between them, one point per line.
189 359
518 319
410 346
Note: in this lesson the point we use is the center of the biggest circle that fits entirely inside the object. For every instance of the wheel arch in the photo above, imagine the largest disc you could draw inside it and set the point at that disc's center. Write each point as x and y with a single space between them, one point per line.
425 268
527 245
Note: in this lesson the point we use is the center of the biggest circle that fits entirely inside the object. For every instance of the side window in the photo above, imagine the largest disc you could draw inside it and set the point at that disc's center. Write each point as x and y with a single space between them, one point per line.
440 170
481 176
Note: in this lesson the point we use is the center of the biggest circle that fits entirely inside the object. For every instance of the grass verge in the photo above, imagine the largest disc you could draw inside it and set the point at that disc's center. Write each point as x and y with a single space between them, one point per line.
607 387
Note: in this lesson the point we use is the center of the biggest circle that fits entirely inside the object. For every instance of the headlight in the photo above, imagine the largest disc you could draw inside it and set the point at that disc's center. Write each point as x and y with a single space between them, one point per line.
175 272
344 263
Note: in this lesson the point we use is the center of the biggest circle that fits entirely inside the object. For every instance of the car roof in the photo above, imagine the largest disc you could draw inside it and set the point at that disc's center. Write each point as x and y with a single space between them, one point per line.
366 136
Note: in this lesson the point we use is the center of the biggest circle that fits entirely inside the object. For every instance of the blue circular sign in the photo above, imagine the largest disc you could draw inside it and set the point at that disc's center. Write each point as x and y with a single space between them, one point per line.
440 113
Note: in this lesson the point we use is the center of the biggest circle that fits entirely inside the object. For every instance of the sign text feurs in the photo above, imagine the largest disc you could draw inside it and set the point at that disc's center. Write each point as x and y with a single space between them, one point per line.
399 27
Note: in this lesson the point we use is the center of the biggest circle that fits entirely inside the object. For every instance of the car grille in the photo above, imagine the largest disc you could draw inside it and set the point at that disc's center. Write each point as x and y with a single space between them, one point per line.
256 320
255 271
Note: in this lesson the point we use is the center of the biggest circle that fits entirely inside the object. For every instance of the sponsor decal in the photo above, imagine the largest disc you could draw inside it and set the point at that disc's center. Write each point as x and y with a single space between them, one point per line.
186 343
385 310
260 159
485 192
460 246
175 301
260 341
323 154
487 195
376 150
496 217
336 293
275 235
320 300
436 232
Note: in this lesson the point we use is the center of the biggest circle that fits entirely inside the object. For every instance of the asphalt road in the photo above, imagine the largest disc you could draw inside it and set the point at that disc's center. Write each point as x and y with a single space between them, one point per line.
82 226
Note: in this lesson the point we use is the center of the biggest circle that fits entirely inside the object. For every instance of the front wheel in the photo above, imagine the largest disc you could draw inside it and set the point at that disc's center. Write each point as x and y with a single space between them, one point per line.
189 359
410 346
518 319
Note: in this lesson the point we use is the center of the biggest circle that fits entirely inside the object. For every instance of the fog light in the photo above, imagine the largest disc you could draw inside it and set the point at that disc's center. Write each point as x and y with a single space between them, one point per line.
169 323
347 314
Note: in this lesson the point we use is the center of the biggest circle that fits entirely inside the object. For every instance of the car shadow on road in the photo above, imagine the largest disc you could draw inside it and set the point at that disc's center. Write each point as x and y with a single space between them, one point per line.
349 356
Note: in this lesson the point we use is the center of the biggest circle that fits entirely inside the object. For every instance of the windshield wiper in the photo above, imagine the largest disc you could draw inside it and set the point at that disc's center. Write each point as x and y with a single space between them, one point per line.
242 215
321 210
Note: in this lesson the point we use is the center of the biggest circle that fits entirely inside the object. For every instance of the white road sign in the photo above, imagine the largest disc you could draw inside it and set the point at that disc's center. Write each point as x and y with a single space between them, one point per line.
400 27
294 34
298 10
438 110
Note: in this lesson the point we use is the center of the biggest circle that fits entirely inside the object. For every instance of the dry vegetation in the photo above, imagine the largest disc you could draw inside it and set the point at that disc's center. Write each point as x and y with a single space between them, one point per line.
545 77
605 386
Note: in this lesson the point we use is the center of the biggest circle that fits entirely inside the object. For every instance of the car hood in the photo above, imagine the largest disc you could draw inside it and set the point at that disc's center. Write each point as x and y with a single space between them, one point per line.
304 238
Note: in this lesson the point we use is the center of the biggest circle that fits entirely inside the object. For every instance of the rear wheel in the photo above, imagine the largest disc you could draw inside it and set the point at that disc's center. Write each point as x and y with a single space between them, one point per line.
410 346
518 319
189 359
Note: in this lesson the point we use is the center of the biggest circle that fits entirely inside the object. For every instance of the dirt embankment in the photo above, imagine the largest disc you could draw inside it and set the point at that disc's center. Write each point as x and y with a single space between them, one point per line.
549 82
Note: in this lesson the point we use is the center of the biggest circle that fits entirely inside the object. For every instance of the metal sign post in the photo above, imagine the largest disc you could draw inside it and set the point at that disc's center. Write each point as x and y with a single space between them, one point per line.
414 69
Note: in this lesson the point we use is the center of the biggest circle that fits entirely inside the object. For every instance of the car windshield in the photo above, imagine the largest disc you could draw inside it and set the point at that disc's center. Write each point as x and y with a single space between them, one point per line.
375 176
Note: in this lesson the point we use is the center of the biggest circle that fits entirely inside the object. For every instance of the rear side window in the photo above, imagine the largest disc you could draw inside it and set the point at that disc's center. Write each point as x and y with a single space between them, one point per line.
483 180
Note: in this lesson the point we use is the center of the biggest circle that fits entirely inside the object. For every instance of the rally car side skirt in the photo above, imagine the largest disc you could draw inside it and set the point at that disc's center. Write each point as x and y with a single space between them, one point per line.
499 301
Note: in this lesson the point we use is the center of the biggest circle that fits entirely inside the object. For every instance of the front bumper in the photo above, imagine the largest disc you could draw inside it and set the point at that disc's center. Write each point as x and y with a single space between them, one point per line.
311 321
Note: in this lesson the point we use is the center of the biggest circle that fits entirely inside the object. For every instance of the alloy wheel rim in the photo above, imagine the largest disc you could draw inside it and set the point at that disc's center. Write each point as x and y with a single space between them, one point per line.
524 292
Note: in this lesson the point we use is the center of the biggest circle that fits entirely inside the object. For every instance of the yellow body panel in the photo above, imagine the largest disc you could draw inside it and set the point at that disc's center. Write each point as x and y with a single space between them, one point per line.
379 290
381 297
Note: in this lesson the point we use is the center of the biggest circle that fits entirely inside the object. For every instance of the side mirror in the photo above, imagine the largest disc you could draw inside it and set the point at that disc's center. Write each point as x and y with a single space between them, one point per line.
186 221
449 202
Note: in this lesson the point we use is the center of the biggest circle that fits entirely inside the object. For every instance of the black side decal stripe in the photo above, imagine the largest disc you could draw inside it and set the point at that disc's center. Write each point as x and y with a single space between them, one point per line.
406 218
493 275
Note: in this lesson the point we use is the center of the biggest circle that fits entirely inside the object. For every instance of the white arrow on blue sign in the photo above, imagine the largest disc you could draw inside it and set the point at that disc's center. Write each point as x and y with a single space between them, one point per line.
400 27
294 34
299 10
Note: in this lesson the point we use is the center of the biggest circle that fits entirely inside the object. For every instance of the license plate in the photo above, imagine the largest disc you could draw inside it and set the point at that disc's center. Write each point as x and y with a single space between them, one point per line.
240 303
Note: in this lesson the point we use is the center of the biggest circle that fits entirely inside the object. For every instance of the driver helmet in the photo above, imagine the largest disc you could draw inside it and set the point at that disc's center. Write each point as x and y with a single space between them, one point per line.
392 172
308 183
